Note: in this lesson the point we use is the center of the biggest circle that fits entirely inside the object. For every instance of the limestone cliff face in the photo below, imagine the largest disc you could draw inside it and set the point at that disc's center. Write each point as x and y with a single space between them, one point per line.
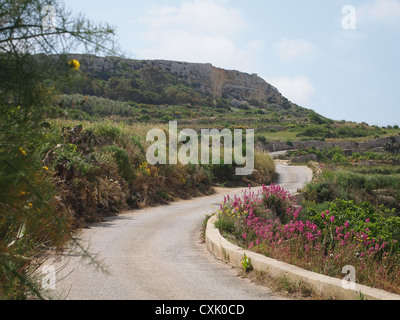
205 78
220 83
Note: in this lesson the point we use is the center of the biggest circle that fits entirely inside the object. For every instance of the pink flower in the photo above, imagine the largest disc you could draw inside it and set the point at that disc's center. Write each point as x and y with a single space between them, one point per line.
346 224
332 218
310 236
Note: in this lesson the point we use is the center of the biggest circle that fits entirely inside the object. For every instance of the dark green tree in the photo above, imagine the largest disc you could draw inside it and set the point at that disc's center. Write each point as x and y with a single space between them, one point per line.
35 39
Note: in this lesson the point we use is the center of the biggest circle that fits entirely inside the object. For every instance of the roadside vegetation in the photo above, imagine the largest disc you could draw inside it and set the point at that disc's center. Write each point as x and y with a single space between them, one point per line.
348 215
271 223
30 222
100 169
359 176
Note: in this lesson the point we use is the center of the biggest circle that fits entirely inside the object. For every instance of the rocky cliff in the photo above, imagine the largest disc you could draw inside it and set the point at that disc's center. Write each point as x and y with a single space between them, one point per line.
220 83
205 78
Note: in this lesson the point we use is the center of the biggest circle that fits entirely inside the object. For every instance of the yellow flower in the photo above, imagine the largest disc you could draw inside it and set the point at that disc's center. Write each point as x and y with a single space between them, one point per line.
22 151
45 168
30 205
74 64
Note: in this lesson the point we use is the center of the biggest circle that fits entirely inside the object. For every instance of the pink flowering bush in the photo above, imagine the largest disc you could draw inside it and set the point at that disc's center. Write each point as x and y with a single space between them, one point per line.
271 223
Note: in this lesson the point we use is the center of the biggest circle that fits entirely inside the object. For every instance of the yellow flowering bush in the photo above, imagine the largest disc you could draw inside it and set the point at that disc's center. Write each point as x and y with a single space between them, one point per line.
144 168
74 64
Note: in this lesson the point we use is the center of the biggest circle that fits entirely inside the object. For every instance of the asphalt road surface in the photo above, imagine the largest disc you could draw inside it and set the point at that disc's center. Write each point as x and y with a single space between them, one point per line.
157 254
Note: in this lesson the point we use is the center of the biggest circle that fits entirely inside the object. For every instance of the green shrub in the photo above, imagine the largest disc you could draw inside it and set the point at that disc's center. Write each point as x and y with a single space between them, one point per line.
225 225
69 158
340 159
351 132
77 104
381 222
107 130
265 165
316 131
223 173
166 119
321 191
121 158
260 138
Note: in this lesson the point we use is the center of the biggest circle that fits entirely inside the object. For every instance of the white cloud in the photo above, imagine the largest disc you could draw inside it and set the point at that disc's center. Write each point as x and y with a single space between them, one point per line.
294 49
297 89
198 31
198 17
380 11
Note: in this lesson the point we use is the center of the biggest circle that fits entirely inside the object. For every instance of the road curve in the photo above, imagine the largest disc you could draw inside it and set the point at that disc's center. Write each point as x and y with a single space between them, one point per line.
157 254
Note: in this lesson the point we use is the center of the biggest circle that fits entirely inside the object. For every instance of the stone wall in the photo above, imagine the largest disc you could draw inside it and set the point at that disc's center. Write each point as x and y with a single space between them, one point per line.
346 145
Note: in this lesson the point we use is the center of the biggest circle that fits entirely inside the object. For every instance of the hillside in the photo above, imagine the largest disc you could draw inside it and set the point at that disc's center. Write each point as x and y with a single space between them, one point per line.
204 78
165 83
199 95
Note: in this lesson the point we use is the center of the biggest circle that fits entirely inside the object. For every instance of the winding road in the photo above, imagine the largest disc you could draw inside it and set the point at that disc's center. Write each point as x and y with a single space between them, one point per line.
157 254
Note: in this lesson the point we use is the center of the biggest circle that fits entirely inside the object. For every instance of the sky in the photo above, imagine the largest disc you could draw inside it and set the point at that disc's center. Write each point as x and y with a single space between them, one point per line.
339 58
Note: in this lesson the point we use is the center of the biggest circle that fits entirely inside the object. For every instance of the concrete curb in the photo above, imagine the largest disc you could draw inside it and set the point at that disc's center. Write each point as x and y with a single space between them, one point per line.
323 286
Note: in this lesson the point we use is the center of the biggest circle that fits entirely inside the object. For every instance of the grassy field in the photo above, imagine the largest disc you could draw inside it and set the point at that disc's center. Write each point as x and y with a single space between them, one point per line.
269 123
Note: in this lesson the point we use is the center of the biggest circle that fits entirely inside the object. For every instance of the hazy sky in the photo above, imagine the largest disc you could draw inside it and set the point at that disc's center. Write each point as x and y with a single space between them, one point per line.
308 49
